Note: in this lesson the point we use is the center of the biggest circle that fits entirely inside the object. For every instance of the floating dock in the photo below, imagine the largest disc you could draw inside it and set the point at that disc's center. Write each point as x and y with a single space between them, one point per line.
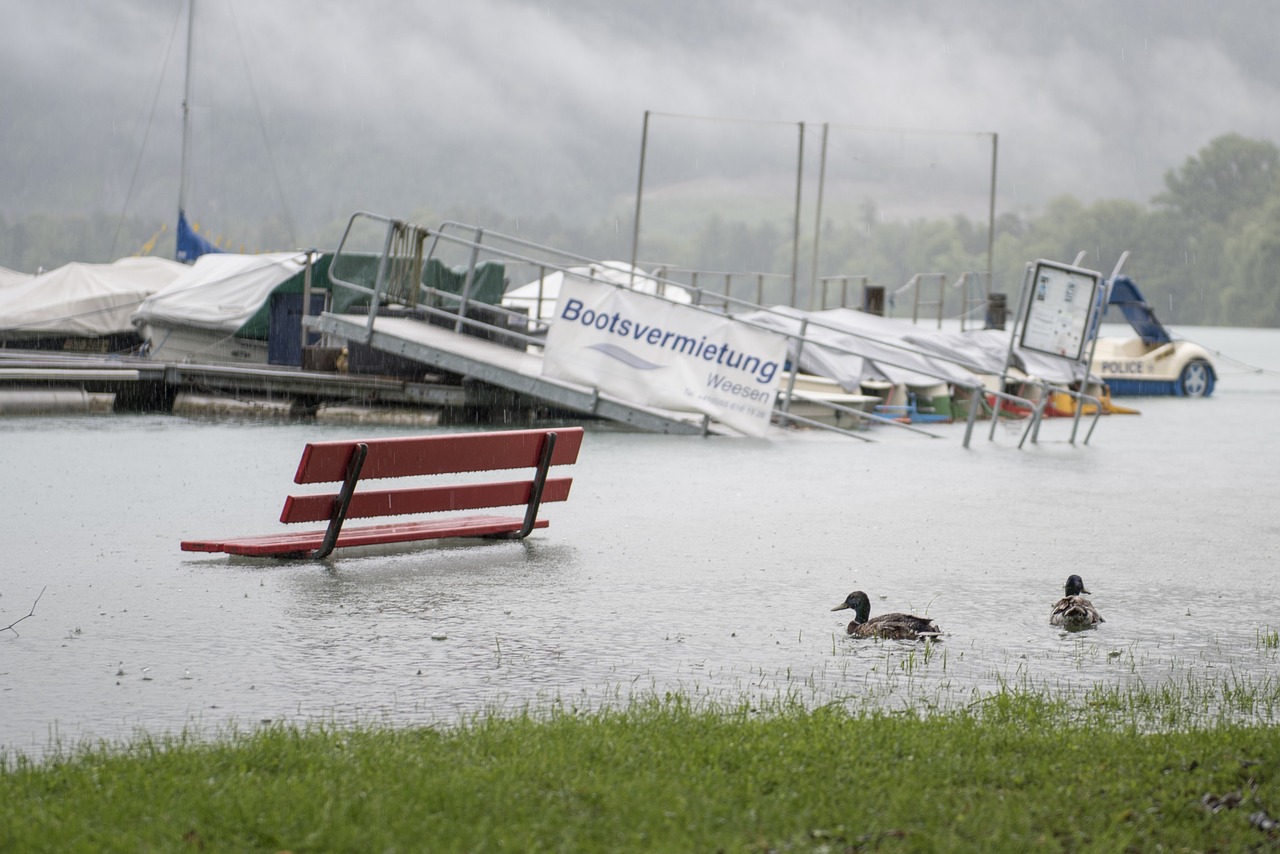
33 382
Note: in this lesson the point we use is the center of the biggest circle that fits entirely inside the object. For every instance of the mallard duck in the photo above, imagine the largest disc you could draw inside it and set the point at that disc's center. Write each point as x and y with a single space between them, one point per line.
1073 611
891 626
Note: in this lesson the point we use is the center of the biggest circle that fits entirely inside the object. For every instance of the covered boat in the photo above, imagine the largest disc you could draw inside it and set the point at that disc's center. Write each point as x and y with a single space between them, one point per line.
218 309
82 307
248 308
915 371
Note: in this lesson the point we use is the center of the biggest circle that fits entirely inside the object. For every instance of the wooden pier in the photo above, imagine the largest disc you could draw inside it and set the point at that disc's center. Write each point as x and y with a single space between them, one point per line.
35 381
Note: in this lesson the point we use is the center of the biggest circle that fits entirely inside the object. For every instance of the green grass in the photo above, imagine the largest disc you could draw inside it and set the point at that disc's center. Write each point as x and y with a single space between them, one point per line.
1012 772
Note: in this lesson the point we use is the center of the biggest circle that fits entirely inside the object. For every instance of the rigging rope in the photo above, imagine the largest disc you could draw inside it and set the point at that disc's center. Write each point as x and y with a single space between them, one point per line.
405 273
262 126
137 166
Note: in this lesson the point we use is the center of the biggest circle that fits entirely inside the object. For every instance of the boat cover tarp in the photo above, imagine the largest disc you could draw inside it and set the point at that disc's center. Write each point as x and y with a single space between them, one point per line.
1126 297
361 269
12 277
985 350
231 293
486 284
83 300
851 347
223 292
615 272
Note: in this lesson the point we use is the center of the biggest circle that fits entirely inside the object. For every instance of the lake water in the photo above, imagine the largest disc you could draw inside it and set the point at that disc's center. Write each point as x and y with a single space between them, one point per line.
707 566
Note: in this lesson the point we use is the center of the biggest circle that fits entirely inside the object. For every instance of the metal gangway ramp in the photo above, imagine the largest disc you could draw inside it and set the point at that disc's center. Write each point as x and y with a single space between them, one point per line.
425 324
493 363
462 330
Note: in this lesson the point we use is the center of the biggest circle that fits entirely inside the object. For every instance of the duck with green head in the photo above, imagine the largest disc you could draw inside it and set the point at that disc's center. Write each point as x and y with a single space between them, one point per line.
889 626
1073 611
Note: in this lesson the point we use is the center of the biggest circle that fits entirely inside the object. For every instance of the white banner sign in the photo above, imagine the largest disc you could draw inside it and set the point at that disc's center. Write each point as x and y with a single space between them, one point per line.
655 353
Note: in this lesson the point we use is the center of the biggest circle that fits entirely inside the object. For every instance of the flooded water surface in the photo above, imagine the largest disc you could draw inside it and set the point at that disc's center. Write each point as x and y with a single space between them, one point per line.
707 566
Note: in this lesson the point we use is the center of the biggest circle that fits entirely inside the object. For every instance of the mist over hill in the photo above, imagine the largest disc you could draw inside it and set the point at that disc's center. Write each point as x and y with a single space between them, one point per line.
532 110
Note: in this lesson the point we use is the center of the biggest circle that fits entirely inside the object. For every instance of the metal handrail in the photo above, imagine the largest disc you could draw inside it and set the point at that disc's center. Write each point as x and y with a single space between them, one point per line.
843 282
668 273
476 244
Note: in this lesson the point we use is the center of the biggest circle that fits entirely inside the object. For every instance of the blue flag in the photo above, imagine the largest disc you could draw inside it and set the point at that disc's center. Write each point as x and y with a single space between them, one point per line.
191 245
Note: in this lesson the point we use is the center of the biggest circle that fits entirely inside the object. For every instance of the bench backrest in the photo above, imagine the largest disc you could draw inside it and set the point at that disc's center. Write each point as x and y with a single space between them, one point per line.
326 462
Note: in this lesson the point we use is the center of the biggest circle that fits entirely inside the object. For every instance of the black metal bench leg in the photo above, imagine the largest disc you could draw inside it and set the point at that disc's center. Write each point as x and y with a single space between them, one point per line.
539 482
343 501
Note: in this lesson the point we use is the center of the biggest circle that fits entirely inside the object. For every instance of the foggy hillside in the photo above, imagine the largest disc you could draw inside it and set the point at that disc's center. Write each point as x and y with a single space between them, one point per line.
303 112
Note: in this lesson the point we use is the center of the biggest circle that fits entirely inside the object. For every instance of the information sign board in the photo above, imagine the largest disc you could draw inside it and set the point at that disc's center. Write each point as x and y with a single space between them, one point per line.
1058 309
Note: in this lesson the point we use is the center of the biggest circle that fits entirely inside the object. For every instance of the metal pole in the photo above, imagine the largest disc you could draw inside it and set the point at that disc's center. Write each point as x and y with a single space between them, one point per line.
186 111
1023 305
467 282
817 226
542 278
795 238
795 365
1100 308
635 227
306 295
380 282
991 211
975 397
942 296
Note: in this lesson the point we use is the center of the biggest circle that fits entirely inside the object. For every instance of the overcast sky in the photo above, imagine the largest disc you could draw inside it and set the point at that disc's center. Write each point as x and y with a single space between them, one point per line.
315 109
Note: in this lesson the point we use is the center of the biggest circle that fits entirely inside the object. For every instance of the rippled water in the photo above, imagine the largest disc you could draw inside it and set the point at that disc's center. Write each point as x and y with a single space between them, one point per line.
707 566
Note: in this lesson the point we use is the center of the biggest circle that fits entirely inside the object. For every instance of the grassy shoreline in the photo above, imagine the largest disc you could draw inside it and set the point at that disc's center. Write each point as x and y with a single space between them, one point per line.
1018 770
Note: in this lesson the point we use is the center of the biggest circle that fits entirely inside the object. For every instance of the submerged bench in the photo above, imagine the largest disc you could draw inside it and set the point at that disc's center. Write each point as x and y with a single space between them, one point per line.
353 462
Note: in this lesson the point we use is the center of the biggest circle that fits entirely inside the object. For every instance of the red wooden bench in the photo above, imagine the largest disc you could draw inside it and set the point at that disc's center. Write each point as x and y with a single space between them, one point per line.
353 462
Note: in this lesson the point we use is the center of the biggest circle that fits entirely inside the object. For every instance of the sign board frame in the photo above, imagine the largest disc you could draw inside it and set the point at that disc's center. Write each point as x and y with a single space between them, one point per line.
1059 316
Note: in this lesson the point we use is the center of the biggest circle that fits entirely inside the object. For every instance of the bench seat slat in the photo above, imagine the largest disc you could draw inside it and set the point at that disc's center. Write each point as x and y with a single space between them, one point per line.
431 499
326 462
306 541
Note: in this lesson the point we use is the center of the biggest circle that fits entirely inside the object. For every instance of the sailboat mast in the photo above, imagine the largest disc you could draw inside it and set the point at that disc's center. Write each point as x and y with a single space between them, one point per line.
186 110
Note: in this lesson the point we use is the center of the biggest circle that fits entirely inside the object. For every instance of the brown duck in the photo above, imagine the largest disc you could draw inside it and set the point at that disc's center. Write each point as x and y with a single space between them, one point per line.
1073 611
889 626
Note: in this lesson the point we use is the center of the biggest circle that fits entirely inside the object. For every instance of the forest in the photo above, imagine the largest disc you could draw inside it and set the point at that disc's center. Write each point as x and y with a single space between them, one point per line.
1204 251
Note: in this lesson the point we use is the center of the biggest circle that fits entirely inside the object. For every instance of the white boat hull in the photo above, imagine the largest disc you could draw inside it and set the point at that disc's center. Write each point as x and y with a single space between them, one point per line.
191 344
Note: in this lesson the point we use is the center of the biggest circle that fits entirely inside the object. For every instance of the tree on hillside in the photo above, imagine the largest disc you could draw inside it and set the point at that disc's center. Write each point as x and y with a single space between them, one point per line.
1251 296
1207 204
1231 175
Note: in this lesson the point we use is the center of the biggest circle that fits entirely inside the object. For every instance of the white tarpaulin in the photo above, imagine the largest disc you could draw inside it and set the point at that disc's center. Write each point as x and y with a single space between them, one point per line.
221 291
858 347
986 350
83 300
539 296
13 277
862 346
658 353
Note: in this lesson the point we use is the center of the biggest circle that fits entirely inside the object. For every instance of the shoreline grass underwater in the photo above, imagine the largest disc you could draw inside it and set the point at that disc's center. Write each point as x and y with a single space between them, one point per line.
1176 767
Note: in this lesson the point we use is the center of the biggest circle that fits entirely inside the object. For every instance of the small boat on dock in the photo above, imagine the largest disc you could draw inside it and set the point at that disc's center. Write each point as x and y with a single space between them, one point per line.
80 307
824 401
